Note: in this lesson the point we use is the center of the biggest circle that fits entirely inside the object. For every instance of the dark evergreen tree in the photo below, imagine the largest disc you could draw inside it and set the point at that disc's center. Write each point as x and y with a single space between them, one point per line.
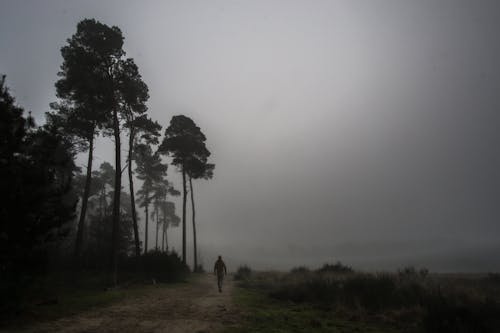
184 141
150 170
169 219
100 218
134 94
96 76
197 169
86 93
36 173
161 189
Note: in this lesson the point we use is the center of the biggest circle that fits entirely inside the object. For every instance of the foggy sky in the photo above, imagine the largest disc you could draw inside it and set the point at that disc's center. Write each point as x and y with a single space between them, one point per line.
361 131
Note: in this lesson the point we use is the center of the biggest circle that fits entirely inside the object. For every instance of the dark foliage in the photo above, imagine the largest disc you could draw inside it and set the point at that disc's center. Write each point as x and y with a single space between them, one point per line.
200 269
96 253
134 94
411 273
37 200
86 92
372 292
409 299
335 268
155 187
36 173
157 266
450 315
185 143
99 225
243 273
300 270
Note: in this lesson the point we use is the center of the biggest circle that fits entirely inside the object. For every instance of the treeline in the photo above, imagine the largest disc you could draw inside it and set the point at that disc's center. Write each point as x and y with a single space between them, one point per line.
48 201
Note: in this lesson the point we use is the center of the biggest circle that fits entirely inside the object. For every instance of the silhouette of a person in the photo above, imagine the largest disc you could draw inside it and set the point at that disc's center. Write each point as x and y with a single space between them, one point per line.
220 270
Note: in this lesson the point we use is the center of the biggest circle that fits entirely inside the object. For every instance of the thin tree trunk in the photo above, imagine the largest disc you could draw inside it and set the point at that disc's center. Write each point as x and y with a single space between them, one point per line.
166 239
102 205
146 211
194 225
157 227
105 198
184 194
116 199
156 219
132 198
85 198
163 237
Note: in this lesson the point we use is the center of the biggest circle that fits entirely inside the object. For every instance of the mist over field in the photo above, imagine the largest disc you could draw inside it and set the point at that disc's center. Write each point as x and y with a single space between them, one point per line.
360 131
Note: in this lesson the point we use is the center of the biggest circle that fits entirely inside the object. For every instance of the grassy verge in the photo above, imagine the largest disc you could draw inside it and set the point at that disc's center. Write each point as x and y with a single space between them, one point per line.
262 313
61 301
28 297
71 302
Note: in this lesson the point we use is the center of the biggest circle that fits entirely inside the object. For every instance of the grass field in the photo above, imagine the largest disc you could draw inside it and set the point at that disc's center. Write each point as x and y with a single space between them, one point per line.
337 299
262 313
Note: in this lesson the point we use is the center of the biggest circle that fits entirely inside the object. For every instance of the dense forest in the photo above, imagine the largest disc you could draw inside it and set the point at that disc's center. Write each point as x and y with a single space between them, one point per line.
56 216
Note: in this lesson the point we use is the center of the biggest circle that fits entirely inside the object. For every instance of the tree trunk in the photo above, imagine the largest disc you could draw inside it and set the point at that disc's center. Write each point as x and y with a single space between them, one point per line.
157 227
194 225
85 198
102 205
146 211
116 199
105 200
166 239
184 194
163 238
132 198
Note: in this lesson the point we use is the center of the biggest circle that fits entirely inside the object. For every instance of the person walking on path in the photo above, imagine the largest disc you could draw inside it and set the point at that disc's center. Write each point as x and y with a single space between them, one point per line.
220 270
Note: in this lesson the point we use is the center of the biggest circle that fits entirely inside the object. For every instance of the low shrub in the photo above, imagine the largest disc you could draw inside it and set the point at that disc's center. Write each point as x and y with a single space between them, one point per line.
199 269
243 273
410 299
300 270
449 315
493 277
158 266
367 291
411 273
335 268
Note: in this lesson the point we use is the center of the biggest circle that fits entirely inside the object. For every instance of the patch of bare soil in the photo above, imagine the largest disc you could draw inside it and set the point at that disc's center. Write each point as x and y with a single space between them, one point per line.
194 307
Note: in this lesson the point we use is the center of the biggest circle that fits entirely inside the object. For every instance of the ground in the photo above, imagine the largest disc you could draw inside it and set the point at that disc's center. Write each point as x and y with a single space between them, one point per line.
194 306
190 307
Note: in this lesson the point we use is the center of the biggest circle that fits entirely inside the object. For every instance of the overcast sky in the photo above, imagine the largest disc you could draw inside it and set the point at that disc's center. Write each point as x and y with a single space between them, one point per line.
360 131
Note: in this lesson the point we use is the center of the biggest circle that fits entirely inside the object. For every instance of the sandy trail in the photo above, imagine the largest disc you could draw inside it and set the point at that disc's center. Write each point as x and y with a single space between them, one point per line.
194 307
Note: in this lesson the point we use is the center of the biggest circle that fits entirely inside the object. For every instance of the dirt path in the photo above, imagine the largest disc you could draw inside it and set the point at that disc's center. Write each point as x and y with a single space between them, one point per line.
194 307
